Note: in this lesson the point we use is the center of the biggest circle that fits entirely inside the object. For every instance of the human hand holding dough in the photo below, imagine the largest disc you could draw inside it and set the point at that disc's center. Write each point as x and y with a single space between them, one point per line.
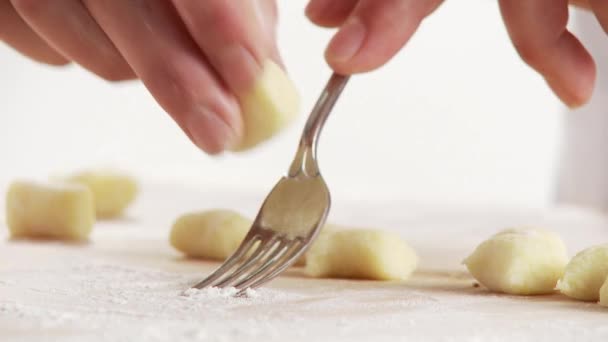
195 57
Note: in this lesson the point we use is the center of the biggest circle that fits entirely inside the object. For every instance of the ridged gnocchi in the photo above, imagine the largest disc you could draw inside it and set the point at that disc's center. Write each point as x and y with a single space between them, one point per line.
519 261
361 253
585 274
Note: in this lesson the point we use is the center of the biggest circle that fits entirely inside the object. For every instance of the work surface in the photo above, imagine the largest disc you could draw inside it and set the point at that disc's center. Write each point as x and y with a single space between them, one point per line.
126 284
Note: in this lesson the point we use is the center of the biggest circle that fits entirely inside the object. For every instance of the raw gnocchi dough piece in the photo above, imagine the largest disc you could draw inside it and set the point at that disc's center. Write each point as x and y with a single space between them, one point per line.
585 274
327 229
519 261
270 105
113 191
361 253
53 210
604 293
213 234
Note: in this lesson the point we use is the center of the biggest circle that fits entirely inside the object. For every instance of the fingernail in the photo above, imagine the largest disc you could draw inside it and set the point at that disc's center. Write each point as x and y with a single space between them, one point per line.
347 42
569 97
575 103
239 68
209 132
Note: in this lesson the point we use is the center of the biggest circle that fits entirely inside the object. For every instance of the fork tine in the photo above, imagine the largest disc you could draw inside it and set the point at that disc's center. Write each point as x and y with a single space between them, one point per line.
229 263
268 266
288 260
264 248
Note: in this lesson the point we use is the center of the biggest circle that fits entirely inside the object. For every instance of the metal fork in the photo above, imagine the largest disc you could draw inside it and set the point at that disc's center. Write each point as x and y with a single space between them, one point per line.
291 215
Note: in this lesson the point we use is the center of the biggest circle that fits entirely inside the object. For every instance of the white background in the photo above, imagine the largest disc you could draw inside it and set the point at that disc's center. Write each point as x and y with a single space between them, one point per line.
456 117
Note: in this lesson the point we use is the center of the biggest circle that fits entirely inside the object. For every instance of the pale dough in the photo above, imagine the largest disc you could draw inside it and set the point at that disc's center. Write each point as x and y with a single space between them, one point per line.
519 261
604 293
49 210
214 234
585 274
327 229
269 106
361 253
113 191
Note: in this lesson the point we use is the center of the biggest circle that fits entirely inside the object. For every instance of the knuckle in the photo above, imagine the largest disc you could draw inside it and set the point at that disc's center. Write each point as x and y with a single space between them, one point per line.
177 80
223 15
170 84
182 86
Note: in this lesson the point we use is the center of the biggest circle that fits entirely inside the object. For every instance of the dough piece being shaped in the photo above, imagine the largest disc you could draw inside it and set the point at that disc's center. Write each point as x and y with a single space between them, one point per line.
519 261
269 106
113 191
213 234
585 274
51 211
363 254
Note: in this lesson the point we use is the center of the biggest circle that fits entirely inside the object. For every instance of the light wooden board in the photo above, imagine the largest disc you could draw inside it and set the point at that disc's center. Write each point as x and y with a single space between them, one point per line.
111 288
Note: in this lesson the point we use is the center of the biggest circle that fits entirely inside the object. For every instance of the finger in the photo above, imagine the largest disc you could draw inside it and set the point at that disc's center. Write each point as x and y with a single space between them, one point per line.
16 33
231 35
538 31
269 16
581 3
68 27
153 40
374 32
600 8
329 13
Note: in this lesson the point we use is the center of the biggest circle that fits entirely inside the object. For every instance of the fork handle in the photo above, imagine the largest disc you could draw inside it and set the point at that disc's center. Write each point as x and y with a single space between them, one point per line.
305 160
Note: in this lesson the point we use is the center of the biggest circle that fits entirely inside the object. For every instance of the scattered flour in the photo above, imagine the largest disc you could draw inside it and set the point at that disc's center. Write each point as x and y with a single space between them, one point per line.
52 292
216 292
99 302
109 302
211 292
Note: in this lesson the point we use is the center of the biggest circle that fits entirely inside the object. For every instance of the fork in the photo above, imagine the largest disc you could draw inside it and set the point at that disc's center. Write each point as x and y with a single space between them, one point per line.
292 214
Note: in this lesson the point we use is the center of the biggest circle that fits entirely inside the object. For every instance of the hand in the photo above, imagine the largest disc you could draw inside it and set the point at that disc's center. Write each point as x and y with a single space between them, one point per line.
196 57
538 31
371 32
